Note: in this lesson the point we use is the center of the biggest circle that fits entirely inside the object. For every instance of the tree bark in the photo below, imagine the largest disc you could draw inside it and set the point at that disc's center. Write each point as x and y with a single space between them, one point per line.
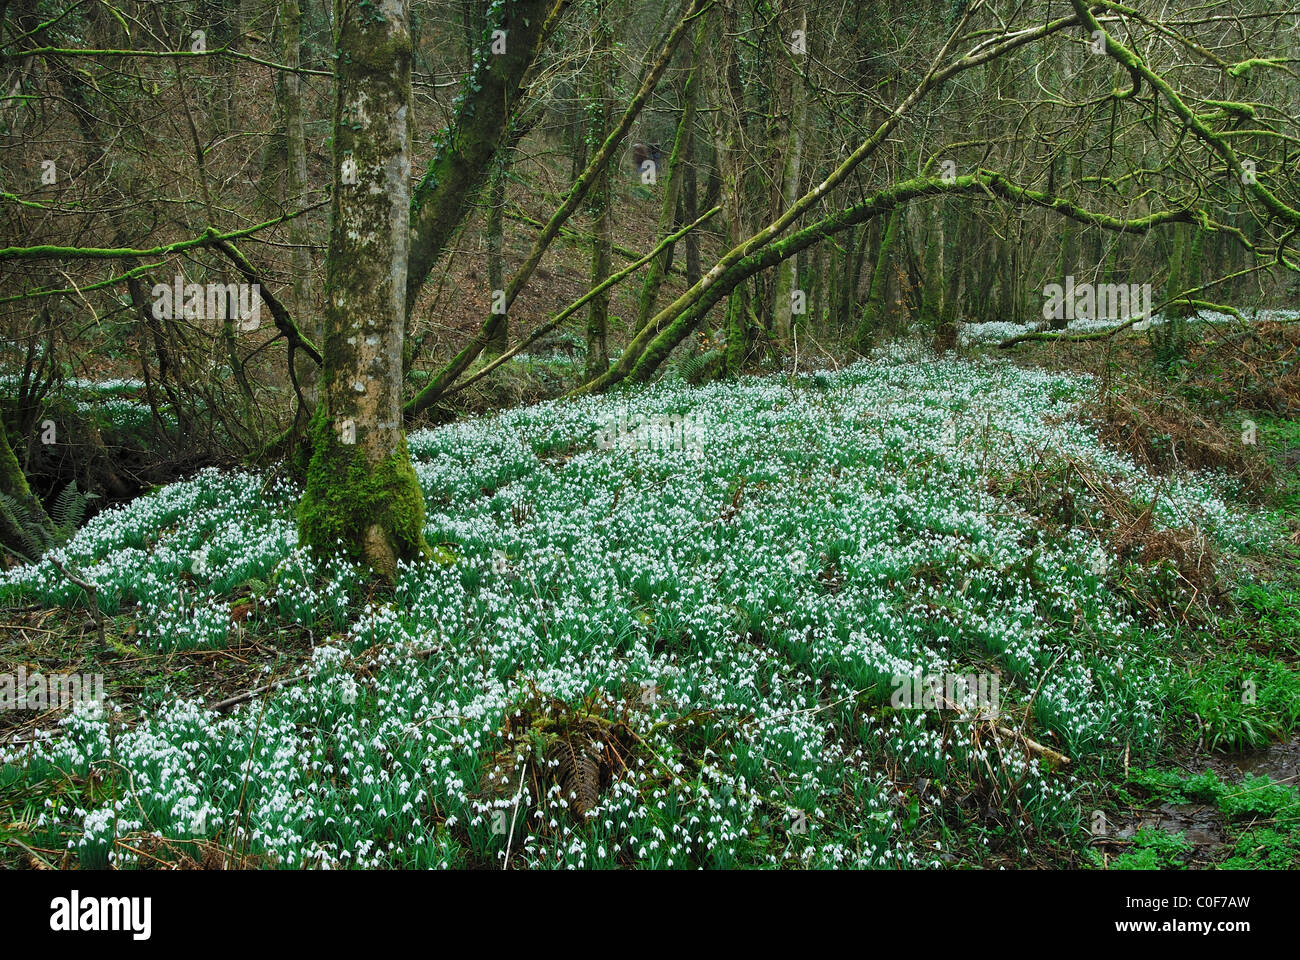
729 102
295 187
796 96
601 107
673 182
440 382
362 496
499 336
691 209
14 484
445 192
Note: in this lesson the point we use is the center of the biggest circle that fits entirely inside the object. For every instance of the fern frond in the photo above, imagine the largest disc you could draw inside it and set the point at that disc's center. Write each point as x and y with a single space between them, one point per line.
577 771
69 511
25 534
695 368
63 503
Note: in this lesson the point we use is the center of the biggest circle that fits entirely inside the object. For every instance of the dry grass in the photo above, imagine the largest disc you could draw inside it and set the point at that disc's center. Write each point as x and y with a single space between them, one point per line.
1163 432
1191 417
1164 571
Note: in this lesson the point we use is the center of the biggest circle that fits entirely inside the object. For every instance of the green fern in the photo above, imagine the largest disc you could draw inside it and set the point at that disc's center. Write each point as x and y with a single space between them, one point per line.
23 531
695 368
69 511
28 534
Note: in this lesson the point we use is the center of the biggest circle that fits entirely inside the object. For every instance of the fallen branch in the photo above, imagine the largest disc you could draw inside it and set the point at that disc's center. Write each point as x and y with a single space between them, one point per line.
250 694
627 253
1057 758
91 590
573 308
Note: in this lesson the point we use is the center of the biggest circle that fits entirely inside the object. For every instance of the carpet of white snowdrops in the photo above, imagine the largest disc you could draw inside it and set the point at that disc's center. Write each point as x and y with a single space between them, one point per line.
996 331
112 402
743 570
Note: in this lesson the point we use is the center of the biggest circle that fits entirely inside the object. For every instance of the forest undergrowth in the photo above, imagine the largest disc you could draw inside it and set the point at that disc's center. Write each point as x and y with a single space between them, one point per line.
685 626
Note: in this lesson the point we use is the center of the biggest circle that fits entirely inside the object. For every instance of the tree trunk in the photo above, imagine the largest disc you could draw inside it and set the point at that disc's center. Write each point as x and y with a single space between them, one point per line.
817 280
28 512
868 237
672 183
295 186
455 174
1066 264
691 209
450 371
296 167
950 273
796 96
499 336
362 497
602 109
729 102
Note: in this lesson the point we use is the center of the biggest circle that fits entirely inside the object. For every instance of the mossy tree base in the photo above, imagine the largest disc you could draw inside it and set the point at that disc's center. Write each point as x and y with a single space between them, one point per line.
362 498
374 515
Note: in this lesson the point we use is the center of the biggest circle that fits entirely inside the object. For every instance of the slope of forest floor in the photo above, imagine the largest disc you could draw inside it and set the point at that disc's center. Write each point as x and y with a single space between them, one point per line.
669 628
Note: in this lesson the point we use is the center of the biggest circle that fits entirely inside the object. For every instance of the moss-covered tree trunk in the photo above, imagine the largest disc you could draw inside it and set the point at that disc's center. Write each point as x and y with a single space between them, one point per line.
849 272
1184 269
793 92
834 273
1170 339
13 484
458 364
1066 264
950 272
729 102
691 208
499 336
816 280
1177 263
876 308
601 109
862 242
362 497
931 276
672 184
463 151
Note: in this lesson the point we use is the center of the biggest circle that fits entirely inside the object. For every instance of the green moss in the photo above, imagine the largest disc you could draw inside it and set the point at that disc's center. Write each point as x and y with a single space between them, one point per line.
737 333
12 480
299 458
377 56
24 524
372 515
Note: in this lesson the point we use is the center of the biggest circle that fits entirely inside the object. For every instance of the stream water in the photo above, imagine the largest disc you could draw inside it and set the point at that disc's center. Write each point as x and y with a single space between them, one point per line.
1202 824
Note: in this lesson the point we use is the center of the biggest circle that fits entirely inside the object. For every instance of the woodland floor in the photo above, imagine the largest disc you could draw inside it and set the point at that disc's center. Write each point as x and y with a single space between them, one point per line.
663 629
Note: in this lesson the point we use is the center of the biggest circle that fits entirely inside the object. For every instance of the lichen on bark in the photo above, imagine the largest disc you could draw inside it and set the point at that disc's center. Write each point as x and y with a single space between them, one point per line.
362 498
